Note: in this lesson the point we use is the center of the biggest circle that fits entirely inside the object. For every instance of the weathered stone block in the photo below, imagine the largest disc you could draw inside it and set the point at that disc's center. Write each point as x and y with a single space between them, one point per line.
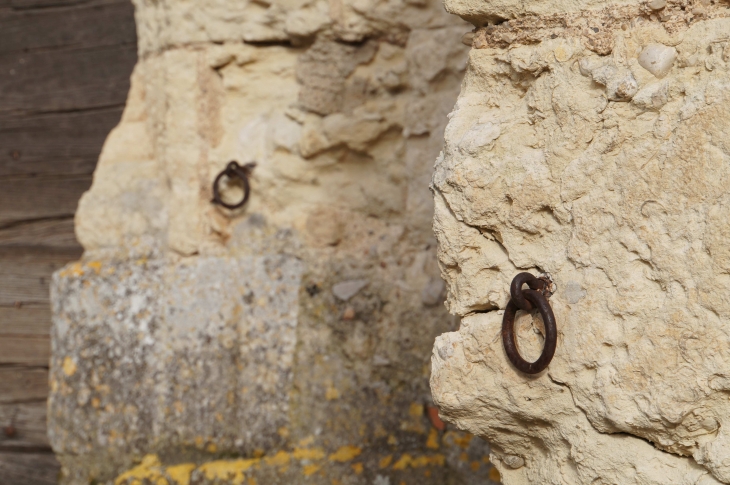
162 356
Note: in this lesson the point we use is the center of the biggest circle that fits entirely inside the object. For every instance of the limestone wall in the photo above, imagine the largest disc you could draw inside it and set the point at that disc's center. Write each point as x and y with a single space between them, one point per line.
590 141
286 342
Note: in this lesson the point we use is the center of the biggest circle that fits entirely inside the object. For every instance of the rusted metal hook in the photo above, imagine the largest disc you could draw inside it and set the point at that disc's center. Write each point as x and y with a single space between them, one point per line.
526 300
233 170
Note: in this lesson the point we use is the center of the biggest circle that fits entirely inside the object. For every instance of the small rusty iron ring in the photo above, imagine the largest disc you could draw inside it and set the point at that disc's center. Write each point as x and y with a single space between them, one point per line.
540 302
233 170
515 289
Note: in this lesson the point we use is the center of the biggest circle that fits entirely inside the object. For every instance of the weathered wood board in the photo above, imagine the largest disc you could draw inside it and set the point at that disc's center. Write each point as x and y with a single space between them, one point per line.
66 66
23 384
54 143
28 468
26 273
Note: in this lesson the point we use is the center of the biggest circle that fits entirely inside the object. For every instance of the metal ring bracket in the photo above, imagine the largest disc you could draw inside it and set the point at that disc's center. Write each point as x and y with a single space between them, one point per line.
233 170
515 289
535 299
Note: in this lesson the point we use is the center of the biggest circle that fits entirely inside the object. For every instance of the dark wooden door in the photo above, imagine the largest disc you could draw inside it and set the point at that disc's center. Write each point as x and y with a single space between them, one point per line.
64 77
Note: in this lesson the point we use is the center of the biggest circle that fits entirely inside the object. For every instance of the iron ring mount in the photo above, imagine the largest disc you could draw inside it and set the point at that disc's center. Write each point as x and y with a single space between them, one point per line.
233 170
527 300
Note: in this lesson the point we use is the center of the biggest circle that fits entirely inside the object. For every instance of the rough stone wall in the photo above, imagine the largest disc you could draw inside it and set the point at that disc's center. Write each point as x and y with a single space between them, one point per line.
286 342
591 141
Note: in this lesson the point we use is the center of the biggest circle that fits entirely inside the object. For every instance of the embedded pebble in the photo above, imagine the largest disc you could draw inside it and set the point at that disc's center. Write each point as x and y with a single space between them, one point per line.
513 461
468 38
347 289
658 59
574 292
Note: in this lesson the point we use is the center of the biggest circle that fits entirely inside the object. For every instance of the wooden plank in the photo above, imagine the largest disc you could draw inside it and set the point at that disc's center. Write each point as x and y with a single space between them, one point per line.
29 469
25 350
25 273
66 79
31 4
87 25
57 233
29 421
23 384
25 320
58 143
30 198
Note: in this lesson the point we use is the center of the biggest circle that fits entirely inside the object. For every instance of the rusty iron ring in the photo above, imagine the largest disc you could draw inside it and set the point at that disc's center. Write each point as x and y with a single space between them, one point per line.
515 289
233 170
537 300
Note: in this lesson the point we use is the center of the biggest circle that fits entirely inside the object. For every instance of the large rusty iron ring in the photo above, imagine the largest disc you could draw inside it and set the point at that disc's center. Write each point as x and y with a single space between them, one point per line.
526 300
233 170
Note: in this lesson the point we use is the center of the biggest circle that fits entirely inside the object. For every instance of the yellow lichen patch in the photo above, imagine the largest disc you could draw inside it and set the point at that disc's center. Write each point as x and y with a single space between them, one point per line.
431 460
180 474
69 366
199 441
494 475
230 470
283 432
416 409
211 448
392 440
95 265
308 453
310 470
403 462
463 440
433 439
475 466
306 441
345 453
279 459
148 470
407 460
464 457
385 461
73 270
357 468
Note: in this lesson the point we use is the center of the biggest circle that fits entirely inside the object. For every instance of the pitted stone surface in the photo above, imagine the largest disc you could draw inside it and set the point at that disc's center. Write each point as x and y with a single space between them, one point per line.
621 198
132 342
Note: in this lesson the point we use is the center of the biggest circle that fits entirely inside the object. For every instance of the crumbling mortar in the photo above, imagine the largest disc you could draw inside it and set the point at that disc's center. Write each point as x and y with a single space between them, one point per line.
594 28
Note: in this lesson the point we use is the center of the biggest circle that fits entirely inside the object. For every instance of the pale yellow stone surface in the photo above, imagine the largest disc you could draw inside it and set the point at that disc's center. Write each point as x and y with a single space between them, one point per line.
332 128
613 179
